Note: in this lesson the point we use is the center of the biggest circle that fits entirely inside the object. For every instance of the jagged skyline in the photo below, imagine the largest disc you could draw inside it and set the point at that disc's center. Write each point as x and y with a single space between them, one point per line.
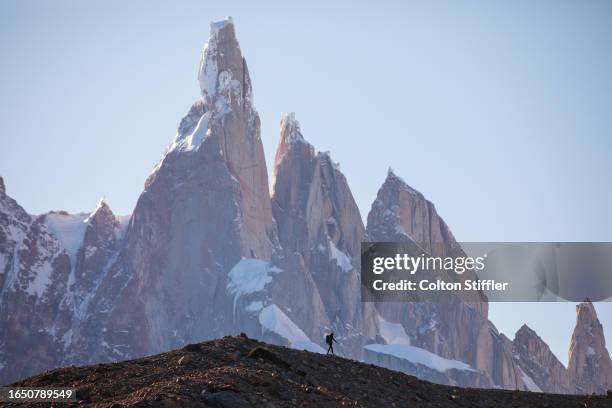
20 178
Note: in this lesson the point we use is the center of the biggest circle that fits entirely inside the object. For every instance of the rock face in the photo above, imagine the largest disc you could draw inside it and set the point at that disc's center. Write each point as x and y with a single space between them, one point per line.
34 272
452 329
205 206
319 221
401 214
539 364
209 251
101 239
589 367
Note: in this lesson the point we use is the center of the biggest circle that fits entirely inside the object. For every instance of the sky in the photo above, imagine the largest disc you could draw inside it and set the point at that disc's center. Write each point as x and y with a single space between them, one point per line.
499 112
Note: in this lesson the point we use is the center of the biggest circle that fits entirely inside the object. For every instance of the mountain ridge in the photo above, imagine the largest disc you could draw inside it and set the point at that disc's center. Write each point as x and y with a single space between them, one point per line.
212 241
242 372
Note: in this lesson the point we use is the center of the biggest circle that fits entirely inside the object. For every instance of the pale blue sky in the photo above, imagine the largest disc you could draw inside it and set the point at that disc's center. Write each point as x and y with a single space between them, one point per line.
499 113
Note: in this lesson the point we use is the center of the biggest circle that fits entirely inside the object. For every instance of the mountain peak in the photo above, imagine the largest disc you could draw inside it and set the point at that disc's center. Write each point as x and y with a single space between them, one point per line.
396 182
2 188
225 86
590 366
290 136
585 312
525 331
215 26
290 129
222 68
394 178
102 208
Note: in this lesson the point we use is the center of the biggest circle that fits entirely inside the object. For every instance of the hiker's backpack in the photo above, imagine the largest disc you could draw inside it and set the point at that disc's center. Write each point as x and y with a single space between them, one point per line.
329 339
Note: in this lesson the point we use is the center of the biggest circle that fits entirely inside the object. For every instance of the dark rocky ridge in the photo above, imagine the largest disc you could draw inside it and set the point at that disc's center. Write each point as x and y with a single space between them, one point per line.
241 372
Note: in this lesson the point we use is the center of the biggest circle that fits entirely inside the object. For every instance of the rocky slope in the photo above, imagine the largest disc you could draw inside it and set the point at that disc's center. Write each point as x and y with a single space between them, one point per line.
240 372
209 251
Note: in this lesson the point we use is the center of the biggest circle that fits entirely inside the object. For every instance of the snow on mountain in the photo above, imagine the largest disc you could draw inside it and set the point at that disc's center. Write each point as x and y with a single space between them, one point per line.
33 284
208 74
531 385
392 333
273 319
208 251
249 276
419 356
342 260
69 229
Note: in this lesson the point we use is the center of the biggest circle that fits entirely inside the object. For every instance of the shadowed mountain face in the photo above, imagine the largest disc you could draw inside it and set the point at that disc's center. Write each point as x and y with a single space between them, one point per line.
209 251
240 372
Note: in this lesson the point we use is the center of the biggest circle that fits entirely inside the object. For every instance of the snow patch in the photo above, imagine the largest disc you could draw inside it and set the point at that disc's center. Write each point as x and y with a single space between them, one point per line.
101 203
418 355
249 275
273 319
42 279
393 333
342 259
208 72
69 229
255 306
124 221
400 230
430 325
208 67
590 351
531 385
193 140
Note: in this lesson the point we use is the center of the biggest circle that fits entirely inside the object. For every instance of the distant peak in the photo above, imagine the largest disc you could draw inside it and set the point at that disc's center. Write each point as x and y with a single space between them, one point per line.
102 206
393 181
216 26
2 188
525 330
585 307
290 129
392 177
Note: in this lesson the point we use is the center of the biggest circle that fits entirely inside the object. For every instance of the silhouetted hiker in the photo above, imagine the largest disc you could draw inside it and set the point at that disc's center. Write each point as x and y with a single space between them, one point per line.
329 339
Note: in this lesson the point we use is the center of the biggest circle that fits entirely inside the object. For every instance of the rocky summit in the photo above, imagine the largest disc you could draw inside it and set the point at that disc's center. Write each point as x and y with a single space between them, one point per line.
235 372
213 248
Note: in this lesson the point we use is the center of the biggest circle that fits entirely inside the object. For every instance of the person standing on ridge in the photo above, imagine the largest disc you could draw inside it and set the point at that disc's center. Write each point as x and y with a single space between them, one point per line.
329 339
